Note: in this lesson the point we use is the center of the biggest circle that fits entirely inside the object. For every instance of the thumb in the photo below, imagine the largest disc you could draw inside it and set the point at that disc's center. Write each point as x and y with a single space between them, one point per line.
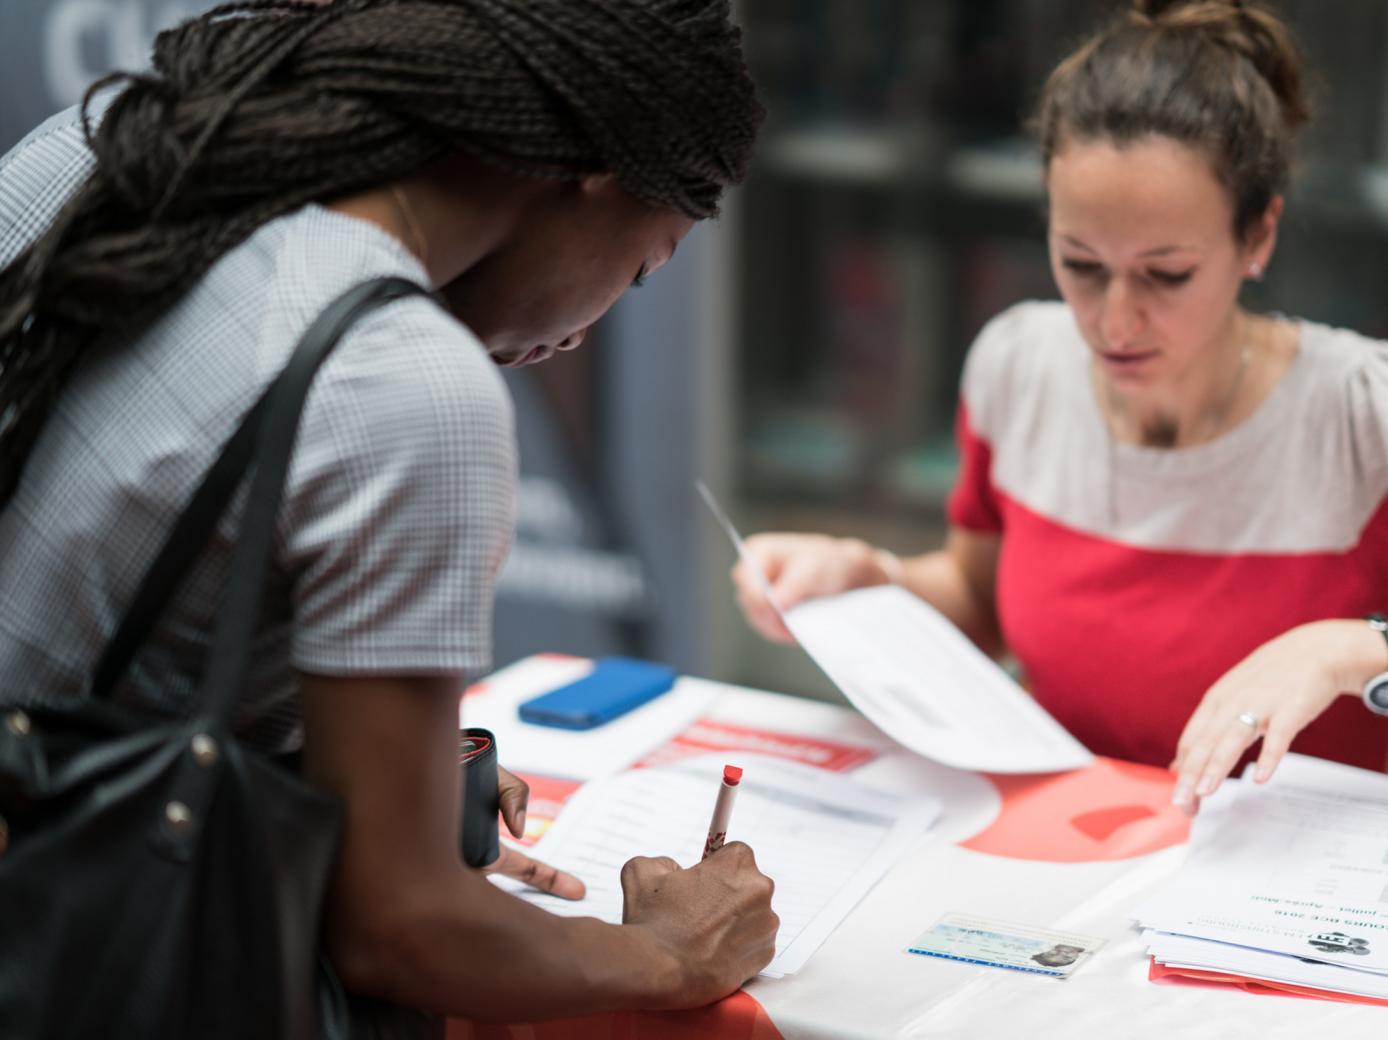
640 876
798 581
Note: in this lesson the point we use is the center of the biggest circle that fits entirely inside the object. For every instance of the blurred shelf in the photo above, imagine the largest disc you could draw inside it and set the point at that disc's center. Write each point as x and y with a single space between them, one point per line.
825 459
1326 196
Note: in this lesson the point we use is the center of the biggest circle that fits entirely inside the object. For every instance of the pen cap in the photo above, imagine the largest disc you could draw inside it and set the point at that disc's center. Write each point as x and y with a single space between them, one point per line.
479 834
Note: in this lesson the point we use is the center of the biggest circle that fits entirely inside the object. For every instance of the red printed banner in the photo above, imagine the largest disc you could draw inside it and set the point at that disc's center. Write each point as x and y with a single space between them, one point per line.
547 796
707 735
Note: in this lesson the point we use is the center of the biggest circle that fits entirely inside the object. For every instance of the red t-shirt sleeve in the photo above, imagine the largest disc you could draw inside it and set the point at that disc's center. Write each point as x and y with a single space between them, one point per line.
973 504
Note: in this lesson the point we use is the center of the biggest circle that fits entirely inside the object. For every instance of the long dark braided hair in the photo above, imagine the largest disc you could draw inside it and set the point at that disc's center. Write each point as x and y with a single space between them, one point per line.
261 106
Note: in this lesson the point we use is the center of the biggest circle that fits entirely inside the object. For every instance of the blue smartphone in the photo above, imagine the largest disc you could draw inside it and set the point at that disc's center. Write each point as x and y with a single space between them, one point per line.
614 687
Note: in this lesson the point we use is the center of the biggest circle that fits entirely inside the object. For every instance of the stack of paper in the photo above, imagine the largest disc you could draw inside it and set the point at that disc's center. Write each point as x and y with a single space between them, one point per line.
1286 883
825 840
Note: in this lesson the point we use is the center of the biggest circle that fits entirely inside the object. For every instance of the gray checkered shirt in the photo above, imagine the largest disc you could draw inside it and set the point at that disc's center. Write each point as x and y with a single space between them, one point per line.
398 508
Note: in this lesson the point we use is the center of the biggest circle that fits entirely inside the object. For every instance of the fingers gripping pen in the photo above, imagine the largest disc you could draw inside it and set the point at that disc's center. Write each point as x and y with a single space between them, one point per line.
722 810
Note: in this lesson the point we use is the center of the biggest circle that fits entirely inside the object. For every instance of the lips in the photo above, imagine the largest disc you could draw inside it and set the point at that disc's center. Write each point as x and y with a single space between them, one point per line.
1126 360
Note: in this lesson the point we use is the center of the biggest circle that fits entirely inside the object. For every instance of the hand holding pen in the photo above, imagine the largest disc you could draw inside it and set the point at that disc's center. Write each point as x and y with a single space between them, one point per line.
713 922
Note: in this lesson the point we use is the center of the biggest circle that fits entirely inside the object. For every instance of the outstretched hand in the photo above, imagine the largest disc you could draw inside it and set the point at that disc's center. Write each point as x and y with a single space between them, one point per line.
515 796
1272 694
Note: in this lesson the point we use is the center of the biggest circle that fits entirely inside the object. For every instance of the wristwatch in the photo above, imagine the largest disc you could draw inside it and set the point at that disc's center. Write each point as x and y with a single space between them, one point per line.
1376 689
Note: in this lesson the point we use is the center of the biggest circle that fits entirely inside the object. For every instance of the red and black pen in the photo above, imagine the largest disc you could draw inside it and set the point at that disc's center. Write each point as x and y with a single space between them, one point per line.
722 810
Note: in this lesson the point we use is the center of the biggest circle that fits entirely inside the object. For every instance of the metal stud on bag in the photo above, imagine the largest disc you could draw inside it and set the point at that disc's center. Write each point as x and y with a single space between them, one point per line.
179 817
205 750
17 723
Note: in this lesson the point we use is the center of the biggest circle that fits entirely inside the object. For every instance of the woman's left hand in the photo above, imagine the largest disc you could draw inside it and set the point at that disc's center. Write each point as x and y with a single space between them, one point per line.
1273 693
515 795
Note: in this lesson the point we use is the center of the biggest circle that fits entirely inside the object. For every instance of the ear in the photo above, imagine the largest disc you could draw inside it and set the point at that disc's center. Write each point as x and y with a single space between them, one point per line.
598 185
1262 238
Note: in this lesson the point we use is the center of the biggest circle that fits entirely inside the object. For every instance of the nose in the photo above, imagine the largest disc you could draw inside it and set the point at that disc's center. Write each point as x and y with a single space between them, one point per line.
572 341
1122 316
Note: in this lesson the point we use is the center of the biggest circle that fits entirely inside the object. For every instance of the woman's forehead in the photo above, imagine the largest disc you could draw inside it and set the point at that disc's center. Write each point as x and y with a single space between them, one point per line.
1154 196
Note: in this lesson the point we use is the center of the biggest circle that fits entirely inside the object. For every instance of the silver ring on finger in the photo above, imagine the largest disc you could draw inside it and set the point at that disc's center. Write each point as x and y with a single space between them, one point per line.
1250 719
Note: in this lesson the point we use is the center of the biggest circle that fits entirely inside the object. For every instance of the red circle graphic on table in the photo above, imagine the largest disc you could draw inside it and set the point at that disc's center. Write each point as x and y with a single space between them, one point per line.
1112 810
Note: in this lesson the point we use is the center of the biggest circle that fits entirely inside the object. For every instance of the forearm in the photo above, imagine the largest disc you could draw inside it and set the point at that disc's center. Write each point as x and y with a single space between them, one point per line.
406 920
466 948
937 578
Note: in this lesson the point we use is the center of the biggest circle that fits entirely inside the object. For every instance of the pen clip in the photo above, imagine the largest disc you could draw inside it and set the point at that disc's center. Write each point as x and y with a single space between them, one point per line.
737 541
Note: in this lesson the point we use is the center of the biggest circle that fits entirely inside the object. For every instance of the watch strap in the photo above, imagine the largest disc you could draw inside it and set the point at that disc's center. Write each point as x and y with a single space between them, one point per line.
1376 689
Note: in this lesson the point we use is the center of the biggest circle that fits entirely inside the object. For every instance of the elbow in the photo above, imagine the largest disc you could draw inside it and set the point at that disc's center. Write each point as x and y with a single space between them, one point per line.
373 958
414 956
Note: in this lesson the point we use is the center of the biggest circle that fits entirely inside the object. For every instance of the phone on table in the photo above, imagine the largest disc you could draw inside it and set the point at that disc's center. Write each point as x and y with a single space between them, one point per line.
614 687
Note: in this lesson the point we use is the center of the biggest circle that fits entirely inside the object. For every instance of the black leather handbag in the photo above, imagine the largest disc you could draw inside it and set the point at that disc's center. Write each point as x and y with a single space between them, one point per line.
157 877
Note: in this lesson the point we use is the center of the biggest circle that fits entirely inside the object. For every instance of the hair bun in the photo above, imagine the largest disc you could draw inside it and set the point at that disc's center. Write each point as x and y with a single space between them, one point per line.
1247 29
1156 10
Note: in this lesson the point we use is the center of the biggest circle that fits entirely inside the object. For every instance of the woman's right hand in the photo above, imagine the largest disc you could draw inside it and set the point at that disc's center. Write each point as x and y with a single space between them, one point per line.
800 567
711 923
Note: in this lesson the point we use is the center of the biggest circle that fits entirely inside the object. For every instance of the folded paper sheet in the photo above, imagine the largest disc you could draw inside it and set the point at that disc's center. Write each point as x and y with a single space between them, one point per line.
921 681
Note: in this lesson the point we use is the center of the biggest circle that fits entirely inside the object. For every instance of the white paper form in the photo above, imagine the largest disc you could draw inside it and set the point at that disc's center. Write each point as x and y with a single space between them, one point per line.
823 839
921 681
1298 866
577 754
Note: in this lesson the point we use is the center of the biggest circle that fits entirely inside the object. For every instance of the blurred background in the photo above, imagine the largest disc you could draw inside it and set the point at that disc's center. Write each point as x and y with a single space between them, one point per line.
802 354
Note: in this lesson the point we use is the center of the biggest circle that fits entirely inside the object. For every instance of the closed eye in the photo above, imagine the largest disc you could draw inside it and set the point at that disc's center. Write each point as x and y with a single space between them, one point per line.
1171 279
1083 268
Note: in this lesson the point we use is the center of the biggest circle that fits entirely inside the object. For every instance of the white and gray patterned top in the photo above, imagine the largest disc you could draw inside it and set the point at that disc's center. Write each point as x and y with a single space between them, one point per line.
399 504
1305 473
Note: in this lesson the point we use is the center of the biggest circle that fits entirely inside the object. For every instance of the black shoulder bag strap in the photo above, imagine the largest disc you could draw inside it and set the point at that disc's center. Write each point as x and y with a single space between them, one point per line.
266 436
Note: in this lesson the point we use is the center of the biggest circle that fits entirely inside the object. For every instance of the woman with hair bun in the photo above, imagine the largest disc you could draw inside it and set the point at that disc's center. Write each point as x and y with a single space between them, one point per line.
1171 510
162 251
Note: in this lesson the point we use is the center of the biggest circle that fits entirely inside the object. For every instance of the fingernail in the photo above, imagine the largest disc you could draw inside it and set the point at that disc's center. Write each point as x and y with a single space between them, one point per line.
1182 795
1206 786
1262 774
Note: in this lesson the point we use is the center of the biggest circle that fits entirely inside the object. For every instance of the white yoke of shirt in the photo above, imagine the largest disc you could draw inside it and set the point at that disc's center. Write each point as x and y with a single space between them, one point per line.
398 506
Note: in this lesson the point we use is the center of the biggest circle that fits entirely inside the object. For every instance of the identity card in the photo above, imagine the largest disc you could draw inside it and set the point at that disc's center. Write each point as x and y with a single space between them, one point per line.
999 944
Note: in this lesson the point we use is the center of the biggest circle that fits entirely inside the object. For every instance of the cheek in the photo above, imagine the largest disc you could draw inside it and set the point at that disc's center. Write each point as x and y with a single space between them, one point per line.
593 287
1084 298
1197 313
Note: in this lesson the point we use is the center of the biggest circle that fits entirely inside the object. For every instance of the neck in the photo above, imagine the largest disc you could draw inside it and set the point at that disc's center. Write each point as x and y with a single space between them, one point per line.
449 218
1198 407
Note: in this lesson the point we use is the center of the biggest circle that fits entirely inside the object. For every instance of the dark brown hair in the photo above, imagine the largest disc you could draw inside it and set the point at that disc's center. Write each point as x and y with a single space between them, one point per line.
258 107
1222 76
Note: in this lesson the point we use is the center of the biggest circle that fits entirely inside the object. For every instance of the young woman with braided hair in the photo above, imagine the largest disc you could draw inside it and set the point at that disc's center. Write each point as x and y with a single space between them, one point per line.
1172 511
159 259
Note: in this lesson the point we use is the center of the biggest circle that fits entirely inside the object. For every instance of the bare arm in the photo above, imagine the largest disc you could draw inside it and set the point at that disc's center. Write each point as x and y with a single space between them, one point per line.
407 921
957 580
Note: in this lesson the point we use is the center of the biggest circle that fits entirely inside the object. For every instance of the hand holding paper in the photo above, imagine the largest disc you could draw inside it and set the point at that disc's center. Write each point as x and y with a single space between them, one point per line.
920 680
776 572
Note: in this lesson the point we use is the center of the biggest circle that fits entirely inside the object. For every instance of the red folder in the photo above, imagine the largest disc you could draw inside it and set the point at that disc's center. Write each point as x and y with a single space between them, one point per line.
1164 975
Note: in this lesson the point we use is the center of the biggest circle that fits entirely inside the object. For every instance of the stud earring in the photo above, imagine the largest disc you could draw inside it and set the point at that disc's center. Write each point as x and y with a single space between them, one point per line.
1255 271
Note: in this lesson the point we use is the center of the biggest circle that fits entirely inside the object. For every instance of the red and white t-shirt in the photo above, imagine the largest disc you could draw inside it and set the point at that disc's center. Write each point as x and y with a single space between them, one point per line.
1131 578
